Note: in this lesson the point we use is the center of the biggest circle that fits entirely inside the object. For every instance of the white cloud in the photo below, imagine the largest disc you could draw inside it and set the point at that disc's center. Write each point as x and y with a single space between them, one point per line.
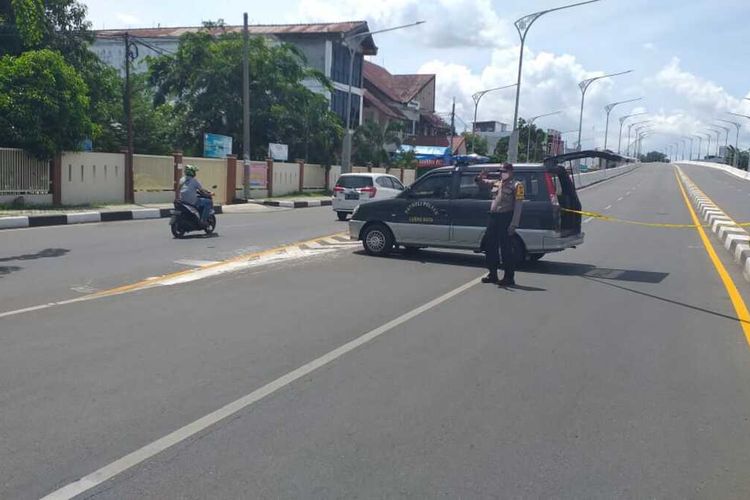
128 19
649 46
450 23
705 95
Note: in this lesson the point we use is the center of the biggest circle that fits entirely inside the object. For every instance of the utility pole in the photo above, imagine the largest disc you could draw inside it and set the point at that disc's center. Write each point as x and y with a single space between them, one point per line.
129 56
453 118
245 110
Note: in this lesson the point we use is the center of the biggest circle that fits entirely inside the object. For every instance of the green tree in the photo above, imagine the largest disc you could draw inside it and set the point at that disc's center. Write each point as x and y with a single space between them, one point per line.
538 144
43 103
204 81
475 143
654 156
372 139
407 160
61 25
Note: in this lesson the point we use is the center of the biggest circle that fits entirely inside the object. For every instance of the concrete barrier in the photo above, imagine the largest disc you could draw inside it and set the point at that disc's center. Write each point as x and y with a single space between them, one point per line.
742 174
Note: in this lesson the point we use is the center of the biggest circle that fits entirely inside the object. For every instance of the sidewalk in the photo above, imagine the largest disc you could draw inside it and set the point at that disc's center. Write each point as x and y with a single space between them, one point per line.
56 216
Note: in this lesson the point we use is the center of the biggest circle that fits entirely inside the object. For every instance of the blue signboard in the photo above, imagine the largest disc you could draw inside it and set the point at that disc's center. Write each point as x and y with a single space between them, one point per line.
216 146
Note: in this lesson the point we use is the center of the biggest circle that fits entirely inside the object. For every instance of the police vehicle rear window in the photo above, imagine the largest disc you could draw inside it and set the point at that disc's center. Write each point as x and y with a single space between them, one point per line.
534 185
354 181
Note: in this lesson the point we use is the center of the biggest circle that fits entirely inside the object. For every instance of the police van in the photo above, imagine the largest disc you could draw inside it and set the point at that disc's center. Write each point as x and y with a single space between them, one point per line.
446 208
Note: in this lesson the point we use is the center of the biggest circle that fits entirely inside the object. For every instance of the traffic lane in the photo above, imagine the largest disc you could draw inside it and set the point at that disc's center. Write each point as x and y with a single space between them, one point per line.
625 380
43 265
731 193
83 384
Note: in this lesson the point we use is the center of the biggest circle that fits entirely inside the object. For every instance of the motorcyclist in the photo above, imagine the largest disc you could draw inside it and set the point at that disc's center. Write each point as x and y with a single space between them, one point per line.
192 193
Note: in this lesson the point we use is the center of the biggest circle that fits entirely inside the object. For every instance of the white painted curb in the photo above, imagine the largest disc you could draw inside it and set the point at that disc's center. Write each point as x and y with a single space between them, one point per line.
148 213
84 217
13 222
733 237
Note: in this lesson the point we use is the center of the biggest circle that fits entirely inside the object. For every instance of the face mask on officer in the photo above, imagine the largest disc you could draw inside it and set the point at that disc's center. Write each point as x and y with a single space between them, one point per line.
505 176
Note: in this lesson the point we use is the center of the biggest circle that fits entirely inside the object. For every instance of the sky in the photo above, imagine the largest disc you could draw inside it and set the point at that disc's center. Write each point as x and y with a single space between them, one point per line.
690 58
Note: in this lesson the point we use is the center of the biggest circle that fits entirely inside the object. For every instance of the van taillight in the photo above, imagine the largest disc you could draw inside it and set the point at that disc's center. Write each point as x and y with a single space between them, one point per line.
551 189
338 189
371 190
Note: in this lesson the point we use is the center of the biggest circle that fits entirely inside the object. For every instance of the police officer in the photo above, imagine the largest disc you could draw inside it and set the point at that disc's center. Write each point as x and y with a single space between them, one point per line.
505 214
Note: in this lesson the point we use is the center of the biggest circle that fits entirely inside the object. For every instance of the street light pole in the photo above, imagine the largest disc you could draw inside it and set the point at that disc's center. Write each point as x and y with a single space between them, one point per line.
622 122
523 25
346 154
608 108
476 97
529 124
718 138
584 86
630 127
737 140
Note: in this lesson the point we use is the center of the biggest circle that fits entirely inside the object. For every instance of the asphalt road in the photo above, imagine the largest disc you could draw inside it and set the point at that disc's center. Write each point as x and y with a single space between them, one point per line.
731 193
616 370
55 263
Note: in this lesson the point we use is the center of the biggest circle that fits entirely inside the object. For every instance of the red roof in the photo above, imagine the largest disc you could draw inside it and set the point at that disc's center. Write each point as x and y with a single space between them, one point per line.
373 101
400 88
257 29
435 121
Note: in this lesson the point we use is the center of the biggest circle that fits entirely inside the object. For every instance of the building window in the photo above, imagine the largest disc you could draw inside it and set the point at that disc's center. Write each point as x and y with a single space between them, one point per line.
340 66
338 106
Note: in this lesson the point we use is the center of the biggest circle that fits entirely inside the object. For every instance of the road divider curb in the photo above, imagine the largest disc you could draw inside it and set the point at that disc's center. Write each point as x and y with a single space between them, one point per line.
295 204
87 217
732 236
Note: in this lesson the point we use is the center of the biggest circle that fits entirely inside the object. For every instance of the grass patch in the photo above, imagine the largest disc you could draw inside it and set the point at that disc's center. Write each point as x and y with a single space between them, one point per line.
305 194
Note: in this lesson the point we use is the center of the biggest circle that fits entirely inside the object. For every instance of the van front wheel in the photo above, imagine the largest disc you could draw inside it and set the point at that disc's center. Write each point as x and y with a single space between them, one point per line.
377 240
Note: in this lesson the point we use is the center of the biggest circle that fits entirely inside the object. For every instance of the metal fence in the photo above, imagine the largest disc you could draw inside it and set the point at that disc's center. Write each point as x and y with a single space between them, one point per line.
21 174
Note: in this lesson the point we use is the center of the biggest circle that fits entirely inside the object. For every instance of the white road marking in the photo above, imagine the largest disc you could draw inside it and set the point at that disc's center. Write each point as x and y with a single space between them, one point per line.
628 193
589 219
620 198
607 207
139 456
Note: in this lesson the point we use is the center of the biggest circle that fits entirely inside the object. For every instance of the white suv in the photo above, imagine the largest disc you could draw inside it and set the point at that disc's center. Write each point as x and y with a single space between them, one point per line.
352 190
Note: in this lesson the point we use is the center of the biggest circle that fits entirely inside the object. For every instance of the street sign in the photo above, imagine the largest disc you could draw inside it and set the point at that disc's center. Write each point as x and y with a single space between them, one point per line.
216 146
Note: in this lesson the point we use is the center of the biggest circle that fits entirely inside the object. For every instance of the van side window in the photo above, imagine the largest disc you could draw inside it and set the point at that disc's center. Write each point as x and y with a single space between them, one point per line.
470 190
534 185
434 187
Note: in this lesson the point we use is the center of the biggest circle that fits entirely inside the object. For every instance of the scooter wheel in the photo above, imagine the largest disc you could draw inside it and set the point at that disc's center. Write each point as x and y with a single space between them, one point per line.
211 224
177 230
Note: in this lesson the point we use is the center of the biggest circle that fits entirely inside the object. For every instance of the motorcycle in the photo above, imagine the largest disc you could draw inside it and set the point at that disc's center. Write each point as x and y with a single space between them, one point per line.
186 218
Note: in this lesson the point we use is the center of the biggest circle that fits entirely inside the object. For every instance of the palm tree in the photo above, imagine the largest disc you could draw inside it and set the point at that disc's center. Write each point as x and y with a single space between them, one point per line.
372 139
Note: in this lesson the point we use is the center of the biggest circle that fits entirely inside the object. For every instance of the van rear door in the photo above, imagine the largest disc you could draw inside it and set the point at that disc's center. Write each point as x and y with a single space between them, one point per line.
570 223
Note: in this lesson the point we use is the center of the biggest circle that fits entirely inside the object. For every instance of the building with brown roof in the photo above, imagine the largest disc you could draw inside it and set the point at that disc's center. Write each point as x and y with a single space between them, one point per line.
408 99
323 45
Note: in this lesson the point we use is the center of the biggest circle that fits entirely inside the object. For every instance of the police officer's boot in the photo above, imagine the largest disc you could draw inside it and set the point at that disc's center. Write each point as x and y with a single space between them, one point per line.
491 277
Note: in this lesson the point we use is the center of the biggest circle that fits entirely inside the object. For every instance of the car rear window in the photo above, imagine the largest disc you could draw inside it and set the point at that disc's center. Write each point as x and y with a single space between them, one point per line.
354 181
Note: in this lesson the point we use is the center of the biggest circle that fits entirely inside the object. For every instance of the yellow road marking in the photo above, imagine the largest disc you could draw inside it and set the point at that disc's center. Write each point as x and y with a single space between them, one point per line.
734 295
156 281
151 282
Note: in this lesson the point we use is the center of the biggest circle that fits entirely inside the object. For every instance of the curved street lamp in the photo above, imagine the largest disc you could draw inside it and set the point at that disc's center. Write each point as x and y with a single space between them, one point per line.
622 122
476 97
530 123
716 131
523 25
349 42
584 86
737 140
630 127
700 144
608 108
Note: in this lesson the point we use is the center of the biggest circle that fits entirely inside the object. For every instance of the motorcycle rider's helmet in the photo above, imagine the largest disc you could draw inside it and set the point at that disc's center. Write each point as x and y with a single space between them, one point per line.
190 170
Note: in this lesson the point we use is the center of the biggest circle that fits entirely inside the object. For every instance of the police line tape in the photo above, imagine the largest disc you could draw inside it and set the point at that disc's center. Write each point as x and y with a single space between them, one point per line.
609 218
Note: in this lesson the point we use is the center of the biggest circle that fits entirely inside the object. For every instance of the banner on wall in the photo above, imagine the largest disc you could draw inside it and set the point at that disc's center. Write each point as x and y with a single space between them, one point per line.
216 146
258 175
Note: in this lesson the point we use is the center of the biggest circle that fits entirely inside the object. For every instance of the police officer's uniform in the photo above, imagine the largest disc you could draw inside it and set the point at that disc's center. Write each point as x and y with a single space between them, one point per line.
505 196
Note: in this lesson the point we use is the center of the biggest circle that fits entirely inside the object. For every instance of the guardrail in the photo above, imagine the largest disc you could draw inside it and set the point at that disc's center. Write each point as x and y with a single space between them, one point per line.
589 178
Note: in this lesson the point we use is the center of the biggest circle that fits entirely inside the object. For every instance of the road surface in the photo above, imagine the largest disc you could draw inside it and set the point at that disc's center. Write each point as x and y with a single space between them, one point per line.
615 370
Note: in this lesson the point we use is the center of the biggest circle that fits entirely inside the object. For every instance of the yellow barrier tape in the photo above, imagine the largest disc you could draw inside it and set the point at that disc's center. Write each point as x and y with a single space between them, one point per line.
610 218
